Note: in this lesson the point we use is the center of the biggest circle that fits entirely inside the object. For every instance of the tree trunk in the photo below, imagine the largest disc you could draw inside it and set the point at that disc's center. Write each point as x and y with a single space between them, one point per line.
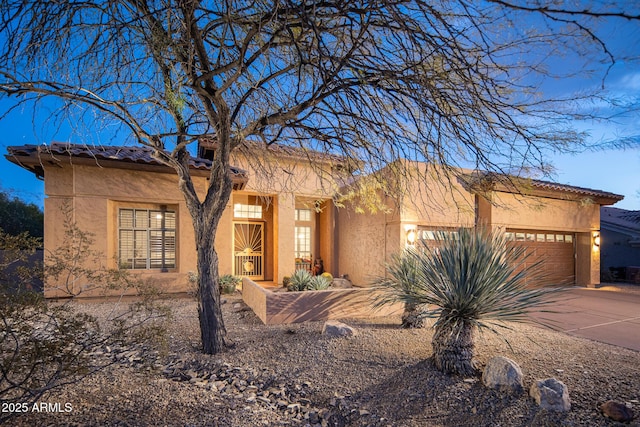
212 330
454 348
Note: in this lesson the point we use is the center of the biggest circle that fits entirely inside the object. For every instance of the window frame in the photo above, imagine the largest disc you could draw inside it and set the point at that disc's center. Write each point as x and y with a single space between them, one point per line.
150 245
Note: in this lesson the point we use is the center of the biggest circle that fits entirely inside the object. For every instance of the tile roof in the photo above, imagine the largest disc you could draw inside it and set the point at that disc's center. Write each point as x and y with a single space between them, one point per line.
515 184
127 154
554 186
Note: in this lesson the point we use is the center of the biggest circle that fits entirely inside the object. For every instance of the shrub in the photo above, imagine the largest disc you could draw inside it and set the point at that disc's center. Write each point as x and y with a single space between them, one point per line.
474 279
46 345
318 283
299 281
228 283
401 278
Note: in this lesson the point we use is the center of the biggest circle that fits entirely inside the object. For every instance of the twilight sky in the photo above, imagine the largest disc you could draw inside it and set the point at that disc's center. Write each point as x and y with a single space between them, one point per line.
607 169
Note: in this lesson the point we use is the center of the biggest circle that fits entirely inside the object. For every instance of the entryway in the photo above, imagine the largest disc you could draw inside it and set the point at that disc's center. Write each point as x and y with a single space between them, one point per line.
248 250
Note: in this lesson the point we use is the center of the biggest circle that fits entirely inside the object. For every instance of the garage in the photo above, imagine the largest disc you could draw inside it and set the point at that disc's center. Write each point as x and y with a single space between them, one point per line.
556 251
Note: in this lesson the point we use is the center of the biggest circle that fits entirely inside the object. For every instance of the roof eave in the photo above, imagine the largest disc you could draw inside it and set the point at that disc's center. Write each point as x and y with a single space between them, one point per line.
37 162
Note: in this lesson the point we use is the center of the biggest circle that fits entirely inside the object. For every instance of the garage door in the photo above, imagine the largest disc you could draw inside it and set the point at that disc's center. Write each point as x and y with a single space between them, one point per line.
556 250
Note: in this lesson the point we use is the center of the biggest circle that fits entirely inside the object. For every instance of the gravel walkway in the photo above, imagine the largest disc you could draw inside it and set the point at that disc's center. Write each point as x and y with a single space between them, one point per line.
292 375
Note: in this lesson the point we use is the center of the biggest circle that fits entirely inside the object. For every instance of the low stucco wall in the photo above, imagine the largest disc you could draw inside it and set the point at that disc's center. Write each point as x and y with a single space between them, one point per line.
294 307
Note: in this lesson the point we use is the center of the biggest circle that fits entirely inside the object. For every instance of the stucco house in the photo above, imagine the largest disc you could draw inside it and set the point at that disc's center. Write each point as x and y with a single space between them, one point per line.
620 259
274 225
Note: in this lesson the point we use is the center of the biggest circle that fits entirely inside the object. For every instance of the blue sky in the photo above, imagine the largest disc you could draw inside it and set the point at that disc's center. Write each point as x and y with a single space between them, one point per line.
613 170
616 171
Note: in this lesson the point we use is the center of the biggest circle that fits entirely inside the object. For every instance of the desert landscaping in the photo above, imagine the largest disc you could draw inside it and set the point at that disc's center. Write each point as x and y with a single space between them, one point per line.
294 375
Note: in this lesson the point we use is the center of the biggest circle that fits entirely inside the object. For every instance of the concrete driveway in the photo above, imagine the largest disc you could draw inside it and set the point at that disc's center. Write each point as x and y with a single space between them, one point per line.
610 314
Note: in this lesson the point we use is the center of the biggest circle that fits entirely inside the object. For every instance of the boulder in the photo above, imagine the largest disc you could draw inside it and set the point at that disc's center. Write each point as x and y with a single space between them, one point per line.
333 328
339 283
503 374
617 411
551 395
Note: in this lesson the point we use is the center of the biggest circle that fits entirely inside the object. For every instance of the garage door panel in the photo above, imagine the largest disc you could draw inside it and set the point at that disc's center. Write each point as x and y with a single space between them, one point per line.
554 250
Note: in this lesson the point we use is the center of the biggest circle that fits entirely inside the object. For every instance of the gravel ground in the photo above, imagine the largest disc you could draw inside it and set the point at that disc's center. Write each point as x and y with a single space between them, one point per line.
292 375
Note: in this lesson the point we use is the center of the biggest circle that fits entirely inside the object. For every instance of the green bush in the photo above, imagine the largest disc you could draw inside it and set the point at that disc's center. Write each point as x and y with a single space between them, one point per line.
228 283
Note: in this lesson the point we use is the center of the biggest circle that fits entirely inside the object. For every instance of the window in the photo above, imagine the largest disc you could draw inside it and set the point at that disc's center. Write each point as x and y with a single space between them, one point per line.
303 242
303 215
302 246
146 239
540 237
247 211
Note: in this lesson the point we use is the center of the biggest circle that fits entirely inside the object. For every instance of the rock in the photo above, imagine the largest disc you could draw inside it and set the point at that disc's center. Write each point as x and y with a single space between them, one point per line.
617 411
314 417
333 329
293 408
551 395
339 283
503 374
263 400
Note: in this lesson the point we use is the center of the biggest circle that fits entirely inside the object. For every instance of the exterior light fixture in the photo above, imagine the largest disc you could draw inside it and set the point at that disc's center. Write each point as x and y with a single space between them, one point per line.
411 236
596 240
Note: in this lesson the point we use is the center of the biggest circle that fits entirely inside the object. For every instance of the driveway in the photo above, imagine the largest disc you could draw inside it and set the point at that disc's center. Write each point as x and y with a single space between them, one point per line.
610 314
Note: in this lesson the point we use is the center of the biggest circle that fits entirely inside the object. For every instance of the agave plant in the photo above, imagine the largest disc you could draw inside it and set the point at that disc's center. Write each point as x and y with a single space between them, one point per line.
299 280
474 280
400 279
319 283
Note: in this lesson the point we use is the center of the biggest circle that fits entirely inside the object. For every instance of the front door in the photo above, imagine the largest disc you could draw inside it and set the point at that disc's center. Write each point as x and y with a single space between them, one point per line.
248 250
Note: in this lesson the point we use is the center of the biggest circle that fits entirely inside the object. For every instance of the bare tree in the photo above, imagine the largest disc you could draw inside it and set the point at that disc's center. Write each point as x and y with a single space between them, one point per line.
449 82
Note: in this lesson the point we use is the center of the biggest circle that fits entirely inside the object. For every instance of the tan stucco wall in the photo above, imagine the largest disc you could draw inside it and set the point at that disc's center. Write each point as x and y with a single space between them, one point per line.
95 193
294 307
537 213
366 241
435 199
350 243
363 245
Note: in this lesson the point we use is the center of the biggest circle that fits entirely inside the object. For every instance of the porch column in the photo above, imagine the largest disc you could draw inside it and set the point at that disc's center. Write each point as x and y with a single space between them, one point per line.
284 234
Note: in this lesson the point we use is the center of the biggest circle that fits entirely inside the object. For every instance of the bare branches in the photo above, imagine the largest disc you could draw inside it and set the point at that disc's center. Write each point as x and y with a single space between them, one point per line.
442 80
378 82
547 10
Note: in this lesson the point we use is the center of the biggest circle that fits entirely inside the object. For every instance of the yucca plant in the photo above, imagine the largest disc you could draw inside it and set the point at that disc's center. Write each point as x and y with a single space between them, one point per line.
400 279
470 279
299 280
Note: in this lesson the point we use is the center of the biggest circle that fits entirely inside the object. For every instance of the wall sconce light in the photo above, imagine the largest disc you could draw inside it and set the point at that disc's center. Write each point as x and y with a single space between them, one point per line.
596 240
411 236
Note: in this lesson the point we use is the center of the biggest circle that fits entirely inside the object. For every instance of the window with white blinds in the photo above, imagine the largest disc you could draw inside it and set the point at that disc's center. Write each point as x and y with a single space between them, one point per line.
146 239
